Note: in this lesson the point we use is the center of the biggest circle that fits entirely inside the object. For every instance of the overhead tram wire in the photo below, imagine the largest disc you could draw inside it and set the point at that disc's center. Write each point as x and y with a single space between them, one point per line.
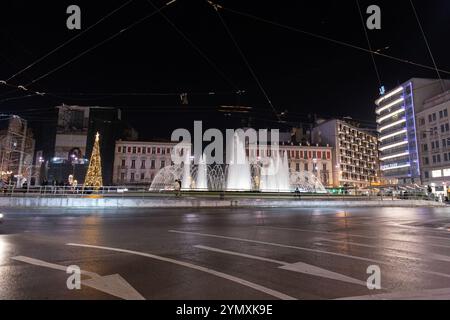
102 42
342 43
24 87
70 40
427 44
199 51
216 9
368 44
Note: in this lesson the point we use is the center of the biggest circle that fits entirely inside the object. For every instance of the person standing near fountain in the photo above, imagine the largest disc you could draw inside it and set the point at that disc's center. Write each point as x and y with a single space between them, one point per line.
177 188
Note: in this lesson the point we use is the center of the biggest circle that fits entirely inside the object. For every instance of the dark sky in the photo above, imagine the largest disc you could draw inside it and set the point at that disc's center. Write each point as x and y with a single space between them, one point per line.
300 73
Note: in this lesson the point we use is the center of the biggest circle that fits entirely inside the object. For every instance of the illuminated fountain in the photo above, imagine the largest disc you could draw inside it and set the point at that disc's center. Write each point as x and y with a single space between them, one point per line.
186 179
201 180
238 173
269 174
275 175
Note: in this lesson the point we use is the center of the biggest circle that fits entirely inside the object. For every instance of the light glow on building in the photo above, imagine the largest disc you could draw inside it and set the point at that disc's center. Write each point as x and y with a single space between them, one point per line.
393 103
390 94
392 167
389 115
395 156
390 146
392 124
392 134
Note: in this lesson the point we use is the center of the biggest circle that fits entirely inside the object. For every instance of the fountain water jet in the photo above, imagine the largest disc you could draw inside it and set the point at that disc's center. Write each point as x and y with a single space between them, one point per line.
238 175
186 180
201 181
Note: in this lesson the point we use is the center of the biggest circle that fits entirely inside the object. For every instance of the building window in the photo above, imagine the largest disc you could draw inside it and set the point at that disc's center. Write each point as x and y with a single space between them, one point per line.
426 175
152 164
441 114
158 150
328 154
154 150
444 143
447 127
124 149
426 160
445 113
123 162
132 176
434 116
297 154
163 164
305 167
133 164
142 175
436 173
134 149
129 149
429 118
438 158
434 158
139 150
297 167
445 157
314 155
142 164
425 146
119 149
122 176
163 151
324 167
168 150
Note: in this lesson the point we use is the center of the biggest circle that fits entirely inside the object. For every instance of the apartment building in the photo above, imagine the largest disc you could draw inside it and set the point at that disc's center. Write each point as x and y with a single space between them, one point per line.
138 162
355 153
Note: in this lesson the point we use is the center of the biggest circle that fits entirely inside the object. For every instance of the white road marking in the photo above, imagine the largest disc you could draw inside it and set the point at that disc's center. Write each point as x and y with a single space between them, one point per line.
355 236
319 231
300 267
311 250
416 228
113 284
279 245
241 254
434 256
439 238
429 294
219 274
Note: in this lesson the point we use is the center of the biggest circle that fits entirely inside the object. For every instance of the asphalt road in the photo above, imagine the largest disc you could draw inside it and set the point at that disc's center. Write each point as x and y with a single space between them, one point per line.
226 253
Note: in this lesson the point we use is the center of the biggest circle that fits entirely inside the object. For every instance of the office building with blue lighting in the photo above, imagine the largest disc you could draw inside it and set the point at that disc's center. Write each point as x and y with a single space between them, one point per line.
396 116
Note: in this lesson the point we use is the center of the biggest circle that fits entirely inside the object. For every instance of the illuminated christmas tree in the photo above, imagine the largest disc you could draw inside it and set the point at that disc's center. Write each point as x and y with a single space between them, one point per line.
94 173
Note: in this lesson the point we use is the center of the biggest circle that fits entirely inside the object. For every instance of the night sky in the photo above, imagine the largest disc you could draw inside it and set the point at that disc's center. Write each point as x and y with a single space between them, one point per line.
144 69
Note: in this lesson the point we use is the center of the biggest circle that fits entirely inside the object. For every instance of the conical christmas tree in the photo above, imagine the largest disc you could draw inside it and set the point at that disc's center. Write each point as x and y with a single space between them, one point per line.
94 173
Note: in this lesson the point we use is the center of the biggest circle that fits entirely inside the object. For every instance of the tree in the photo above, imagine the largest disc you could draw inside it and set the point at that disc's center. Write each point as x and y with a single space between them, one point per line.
94 173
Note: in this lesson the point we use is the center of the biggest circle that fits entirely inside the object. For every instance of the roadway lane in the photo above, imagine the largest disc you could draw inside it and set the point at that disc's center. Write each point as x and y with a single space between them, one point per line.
225 253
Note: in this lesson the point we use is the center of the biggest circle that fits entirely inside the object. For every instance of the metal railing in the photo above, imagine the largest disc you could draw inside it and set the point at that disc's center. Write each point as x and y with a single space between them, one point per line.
143 191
